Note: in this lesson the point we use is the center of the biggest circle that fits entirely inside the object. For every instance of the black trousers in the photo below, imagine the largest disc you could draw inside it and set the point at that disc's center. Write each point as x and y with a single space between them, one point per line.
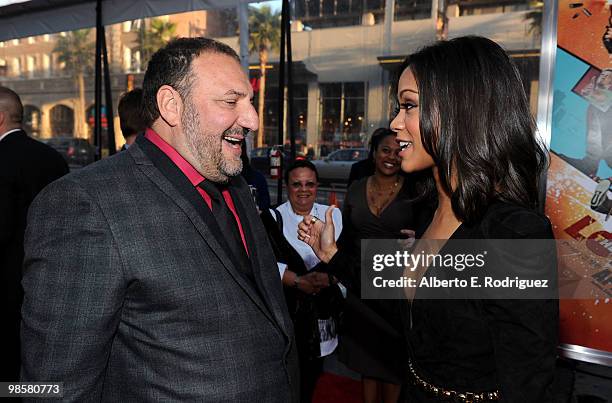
310 371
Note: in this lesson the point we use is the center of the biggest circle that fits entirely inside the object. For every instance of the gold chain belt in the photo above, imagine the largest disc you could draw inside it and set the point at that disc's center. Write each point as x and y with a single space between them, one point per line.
463 397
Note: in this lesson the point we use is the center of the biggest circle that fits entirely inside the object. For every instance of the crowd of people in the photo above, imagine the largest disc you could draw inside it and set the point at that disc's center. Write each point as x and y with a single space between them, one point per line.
175 283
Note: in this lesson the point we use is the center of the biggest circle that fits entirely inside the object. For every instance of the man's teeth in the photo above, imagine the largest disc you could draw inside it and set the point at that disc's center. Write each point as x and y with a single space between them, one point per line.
404 144
389 165
232 141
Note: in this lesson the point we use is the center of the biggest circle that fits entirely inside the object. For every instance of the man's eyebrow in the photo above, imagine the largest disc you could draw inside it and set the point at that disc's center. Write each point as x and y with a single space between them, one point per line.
234 92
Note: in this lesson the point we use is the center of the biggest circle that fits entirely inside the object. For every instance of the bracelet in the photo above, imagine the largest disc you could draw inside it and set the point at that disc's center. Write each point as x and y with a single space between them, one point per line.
296 282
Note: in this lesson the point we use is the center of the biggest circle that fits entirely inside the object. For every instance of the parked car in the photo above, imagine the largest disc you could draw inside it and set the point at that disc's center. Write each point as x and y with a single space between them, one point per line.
77 152
335 168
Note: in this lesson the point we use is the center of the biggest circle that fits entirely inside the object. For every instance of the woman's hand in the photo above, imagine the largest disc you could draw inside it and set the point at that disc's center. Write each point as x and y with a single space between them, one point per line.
320 236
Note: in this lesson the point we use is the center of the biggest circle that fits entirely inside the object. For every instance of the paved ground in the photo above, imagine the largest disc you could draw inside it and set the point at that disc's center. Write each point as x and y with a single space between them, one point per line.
576 382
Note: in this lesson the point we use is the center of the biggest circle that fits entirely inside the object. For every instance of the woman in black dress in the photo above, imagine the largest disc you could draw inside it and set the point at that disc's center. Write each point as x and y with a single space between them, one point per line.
464 116
379 206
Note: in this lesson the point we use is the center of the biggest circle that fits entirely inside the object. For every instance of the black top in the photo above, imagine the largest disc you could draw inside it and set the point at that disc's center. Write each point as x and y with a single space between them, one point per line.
399 214
26 167
372 342
483 345
361 169
406 211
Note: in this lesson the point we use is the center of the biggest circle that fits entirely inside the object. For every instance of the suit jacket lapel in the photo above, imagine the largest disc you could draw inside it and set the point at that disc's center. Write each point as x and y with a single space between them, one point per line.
265 272
204 223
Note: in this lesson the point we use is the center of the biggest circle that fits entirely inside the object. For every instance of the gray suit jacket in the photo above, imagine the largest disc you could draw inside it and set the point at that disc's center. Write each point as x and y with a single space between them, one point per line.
131 296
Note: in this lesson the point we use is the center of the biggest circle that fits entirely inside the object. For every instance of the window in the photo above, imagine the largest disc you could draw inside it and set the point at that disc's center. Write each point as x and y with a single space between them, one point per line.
46 65
300 112
342 114
30 63
412 9
342 155
127 59
16 67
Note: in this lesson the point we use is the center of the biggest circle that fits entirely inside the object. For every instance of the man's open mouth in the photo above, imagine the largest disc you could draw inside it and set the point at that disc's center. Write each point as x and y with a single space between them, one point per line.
235 142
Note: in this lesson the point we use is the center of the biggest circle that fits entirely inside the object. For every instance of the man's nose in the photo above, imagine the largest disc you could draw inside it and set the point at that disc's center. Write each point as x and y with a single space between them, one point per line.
248 117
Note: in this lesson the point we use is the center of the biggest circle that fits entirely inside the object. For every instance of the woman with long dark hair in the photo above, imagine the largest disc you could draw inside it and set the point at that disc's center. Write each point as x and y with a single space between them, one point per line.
463 115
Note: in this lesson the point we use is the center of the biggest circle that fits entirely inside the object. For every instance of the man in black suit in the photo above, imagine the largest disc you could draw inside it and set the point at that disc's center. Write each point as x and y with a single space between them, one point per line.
26 166
147 277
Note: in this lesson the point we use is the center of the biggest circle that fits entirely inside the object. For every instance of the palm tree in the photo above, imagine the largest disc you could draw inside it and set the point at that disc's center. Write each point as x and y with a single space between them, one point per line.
157 35
76 51
534 16
264 36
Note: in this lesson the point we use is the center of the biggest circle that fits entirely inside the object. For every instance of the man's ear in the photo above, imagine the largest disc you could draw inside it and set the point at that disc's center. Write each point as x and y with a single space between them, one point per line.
170 105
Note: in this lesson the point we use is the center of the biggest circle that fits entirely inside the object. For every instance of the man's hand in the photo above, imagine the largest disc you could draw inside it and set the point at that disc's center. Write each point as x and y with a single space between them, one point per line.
589 88
320 236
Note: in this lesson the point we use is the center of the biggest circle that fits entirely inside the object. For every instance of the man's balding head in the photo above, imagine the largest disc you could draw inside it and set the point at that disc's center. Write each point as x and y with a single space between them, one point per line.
11 110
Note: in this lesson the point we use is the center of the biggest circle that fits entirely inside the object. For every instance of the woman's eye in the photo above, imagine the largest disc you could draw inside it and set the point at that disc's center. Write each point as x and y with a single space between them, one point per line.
407 105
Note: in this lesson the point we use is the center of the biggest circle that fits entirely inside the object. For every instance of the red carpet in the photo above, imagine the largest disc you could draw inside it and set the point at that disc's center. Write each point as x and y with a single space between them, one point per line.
337 389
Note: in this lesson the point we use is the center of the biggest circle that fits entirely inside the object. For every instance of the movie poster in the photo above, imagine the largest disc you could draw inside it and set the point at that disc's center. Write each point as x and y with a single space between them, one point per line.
579 194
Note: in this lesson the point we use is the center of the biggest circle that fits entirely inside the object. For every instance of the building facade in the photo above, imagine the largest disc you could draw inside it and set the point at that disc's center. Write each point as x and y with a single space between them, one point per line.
344 54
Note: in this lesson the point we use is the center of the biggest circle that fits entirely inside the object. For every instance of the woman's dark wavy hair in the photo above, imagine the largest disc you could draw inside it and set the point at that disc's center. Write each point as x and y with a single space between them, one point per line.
475 121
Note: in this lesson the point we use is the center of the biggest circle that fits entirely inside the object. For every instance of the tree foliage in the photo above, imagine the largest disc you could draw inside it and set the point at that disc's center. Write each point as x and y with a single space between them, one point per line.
534 16
264 36
154 37
76 50
264 29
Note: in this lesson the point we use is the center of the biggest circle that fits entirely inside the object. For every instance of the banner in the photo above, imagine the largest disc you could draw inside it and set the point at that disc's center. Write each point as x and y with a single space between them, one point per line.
578 199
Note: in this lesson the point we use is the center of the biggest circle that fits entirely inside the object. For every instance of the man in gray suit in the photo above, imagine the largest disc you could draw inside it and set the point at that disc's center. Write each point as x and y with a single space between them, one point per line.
147 277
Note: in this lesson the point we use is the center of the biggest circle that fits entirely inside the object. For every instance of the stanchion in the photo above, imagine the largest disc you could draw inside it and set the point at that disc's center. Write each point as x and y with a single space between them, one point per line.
333 199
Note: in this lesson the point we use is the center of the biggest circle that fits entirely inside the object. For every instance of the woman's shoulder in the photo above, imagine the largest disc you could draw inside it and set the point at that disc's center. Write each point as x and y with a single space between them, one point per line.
510 221
356 189
359 183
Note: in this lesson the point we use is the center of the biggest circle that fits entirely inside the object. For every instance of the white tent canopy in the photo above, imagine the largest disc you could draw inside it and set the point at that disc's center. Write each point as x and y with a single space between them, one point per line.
38 17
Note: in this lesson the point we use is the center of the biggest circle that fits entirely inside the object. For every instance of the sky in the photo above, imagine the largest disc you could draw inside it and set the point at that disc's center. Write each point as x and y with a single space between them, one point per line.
275 5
